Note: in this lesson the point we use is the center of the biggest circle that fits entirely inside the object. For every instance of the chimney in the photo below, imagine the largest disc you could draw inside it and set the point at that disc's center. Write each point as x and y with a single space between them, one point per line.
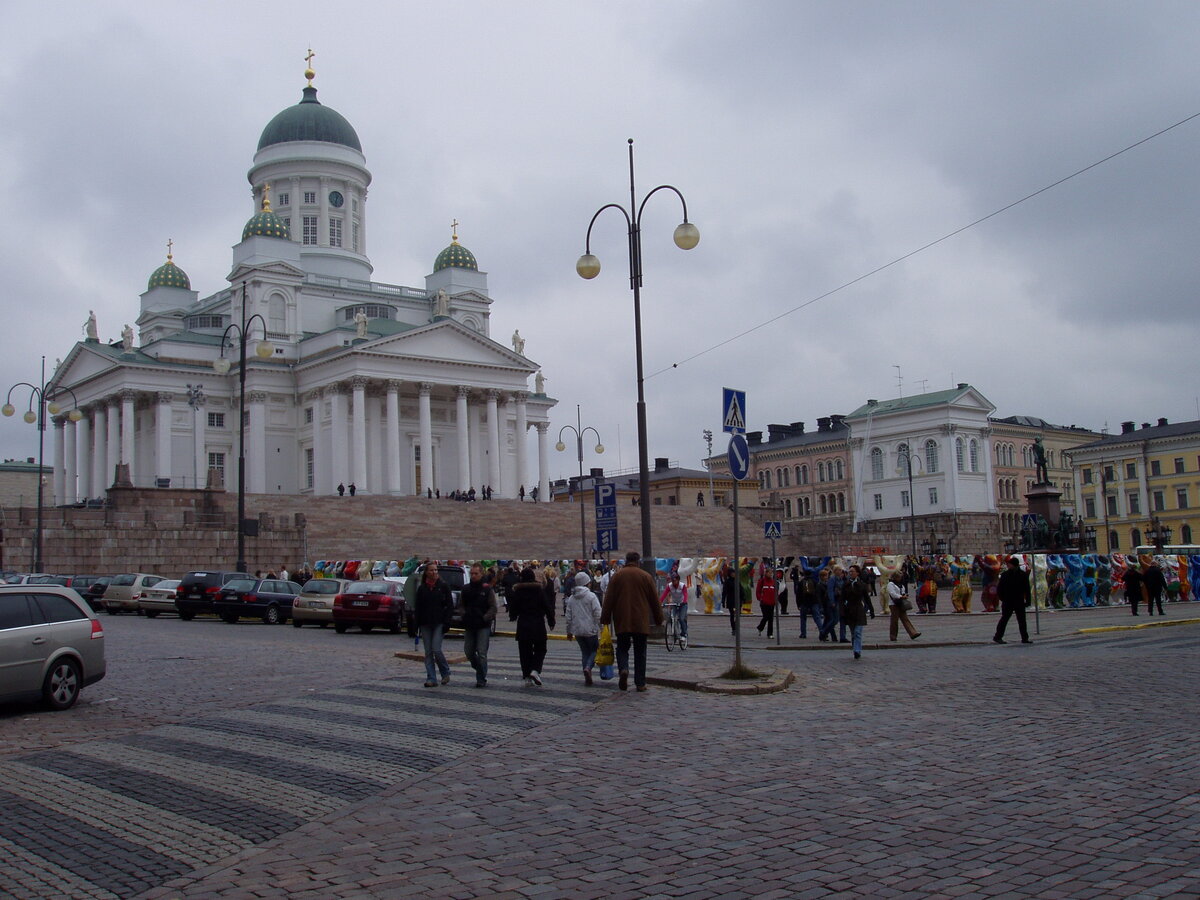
823 423
798 427
837 421
753 438
1126 427
872 403
1145 424
778 432
597 474
1162 422
962 385
661 464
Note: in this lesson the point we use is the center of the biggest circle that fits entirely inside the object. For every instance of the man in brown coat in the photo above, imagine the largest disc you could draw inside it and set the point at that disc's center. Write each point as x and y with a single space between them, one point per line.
630 602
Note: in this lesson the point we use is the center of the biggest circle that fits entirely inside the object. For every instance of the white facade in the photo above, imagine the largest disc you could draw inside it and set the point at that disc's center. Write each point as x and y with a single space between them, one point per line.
947 435
416 397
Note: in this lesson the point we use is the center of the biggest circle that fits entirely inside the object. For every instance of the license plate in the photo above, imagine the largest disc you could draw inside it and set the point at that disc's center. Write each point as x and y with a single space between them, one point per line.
360 602
315 604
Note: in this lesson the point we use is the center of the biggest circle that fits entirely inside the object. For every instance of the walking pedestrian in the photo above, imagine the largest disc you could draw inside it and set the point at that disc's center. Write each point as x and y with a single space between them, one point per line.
900 605
434 604
767 593
1156 586
856 597
833 595
729 595
782 596
583 622
479 612
808 603
341 489
1134 589
533 610
353 489
629 604
1015 595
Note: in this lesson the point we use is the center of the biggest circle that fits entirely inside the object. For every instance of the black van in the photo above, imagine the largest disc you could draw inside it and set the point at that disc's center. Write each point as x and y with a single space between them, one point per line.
198 591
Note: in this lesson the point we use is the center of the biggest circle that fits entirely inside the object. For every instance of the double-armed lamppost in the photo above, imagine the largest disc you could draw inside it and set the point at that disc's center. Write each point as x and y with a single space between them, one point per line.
580 431
44 395
708 465
195 400
906 455
1159 533
687 236
240 335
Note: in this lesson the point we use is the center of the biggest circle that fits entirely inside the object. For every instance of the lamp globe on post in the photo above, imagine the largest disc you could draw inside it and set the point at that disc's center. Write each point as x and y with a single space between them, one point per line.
221 365
264 350
8 409
588 266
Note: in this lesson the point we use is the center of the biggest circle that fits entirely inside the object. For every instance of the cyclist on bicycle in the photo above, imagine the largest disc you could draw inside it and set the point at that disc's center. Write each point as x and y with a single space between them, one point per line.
676 594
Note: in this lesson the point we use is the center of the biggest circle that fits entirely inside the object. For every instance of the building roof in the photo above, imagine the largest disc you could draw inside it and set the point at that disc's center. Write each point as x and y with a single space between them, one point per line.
903 404
308 120
1035 422
1146 433
169 275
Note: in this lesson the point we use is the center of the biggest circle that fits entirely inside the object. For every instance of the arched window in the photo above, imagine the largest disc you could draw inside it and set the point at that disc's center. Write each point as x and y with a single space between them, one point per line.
840 470
804 474
1135 539
974 451
931 455
1185 534
799 480
902 459
1114 541
277 314
824 505
808 506
787 509
841 502
766 477
958 453
820 471
784 479
876 464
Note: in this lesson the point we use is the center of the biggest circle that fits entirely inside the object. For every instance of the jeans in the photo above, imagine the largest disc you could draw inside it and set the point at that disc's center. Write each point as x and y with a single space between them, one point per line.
814 610
431 637
475 646
588 645
639 655
681 611
831 617
856 640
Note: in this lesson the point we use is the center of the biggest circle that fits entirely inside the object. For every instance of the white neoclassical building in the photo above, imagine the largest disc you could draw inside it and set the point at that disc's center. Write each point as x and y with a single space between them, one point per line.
397 390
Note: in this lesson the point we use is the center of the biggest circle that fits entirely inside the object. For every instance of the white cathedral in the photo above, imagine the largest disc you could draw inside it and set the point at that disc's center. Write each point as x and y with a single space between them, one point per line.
396 390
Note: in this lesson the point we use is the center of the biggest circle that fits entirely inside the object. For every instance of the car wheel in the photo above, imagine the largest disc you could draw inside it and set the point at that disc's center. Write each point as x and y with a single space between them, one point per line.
271 616
394 628
187 617
366 629
230 618
61 687
151 614
339 627
296 623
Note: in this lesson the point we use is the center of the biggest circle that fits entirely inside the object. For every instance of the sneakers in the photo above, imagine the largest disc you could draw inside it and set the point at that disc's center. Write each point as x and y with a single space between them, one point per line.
999 640
623 681
445 679
587 677
431 684
857 655
1026 641
641 688
528 681
683 643
537 678
481 684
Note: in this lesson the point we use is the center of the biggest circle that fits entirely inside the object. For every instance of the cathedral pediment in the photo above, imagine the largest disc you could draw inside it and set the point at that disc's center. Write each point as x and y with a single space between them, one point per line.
450 342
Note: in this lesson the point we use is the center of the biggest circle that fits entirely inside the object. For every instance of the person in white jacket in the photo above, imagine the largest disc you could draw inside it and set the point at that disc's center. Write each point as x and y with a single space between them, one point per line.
583 622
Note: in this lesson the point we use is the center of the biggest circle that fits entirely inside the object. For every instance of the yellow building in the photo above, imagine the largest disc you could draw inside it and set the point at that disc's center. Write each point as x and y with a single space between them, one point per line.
1132 483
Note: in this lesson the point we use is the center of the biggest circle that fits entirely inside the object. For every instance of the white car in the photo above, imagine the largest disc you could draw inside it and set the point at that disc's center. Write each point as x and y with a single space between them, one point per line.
124 592
159 598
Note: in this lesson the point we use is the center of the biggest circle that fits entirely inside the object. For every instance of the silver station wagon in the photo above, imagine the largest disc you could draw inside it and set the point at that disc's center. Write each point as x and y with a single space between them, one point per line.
51 645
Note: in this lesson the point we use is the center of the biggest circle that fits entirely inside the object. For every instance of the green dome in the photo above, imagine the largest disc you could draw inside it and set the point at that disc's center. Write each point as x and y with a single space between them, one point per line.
266 224
169 275
456 256
308 120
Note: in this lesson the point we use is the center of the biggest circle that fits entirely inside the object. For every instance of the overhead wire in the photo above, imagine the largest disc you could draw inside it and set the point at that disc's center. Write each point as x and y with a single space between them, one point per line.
923 247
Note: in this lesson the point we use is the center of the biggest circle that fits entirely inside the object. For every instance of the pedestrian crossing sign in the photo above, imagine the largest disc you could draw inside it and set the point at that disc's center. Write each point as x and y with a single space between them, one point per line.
733 411
773 531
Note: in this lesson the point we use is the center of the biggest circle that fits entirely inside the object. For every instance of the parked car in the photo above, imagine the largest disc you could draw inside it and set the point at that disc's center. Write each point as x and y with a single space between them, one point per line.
198 590
369 603
125 591
159 598
51 645
94 592
314 606
41 578
269 599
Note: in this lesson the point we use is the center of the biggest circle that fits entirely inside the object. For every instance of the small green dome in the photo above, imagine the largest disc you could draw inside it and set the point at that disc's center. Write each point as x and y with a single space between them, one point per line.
266 224
308 120
456 256
169 275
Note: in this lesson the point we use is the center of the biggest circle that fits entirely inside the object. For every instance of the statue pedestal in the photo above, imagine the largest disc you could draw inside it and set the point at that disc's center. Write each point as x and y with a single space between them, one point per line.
1043 501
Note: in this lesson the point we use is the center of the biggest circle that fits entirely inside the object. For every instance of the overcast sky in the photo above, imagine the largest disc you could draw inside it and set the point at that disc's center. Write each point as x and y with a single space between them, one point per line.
814 142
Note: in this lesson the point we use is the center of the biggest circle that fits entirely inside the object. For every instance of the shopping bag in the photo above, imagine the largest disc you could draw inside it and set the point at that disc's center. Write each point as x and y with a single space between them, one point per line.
604 653
607 671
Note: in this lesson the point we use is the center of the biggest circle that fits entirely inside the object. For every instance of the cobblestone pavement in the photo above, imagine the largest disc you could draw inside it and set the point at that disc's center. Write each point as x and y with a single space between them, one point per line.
1062 769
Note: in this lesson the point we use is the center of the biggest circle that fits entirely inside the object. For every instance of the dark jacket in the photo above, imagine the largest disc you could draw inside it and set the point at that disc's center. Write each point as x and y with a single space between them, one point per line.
1013 588
855 599
532 610
1155 581
434 604
631 602
479 605
1133 585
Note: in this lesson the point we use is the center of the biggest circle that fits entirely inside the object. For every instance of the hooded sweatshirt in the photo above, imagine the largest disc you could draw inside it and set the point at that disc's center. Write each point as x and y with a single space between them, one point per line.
583 612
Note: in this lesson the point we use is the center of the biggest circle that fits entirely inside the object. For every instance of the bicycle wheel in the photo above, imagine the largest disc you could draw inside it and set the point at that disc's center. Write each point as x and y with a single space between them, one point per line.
671 632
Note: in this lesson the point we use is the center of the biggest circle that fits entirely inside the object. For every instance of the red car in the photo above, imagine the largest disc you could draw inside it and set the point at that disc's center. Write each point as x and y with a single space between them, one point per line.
367 604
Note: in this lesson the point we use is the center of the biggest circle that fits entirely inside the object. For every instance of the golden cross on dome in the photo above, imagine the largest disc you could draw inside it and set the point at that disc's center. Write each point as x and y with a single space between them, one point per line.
170 245
266 204
308 69
454 231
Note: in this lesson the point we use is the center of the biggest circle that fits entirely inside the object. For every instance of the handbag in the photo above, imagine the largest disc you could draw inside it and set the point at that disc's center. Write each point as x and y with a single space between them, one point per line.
905 604
604 652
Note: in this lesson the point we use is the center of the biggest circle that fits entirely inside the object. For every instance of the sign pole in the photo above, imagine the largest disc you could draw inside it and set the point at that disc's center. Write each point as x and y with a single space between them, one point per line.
737 586
778 620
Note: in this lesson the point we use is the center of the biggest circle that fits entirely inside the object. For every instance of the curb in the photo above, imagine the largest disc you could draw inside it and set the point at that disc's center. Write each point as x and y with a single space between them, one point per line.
1162 623
774 682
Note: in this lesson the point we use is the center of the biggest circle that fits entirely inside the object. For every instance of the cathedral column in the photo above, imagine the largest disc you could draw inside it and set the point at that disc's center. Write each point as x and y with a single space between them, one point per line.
128 429
323 238
543 429
99 448
256 442
199 456
162 435
320 460
359 438
425 389
337 434
84 456
60 455
493 426
522 428
478 455
393 436
113 454
508 477
464 448
71 472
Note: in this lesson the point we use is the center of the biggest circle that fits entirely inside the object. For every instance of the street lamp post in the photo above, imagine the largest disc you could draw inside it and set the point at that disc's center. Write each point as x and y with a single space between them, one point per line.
580 431
906 452
264 350
1159 533
195 399
686 237
712 501
44 394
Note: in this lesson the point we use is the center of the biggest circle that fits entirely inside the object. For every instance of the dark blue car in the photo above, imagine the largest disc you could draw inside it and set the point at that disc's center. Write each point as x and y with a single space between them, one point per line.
269 599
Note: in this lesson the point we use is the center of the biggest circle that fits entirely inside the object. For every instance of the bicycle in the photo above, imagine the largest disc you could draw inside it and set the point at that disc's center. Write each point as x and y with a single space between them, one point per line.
673 629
